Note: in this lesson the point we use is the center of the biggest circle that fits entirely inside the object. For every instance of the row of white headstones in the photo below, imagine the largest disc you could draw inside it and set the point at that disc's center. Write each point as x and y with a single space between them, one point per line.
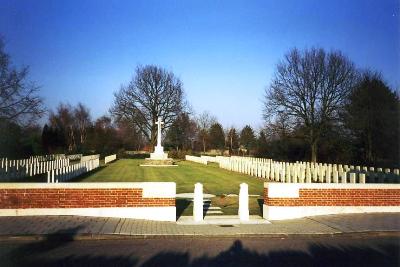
110 158
58 169
69 172
14 169
87 164
34 164
302 172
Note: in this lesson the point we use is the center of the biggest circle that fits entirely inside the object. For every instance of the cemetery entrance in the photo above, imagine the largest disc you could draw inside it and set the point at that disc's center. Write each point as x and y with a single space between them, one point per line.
216 203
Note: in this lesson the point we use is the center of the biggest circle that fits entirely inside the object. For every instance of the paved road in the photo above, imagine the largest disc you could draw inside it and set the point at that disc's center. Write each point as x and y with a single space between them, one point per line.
327 250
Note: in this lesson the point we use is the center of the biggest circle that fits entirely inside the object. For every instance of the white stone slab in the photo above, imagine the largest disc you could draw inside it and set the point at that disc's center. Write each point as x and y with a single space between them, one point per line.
283 190
191 195
211 208
284 213
333 186
213 212
221 220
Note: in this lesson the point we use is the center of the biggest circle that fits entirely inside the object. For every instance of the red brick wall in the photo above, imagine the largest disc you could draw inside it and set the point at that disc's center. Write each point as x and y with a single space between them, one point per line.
338 197
78 198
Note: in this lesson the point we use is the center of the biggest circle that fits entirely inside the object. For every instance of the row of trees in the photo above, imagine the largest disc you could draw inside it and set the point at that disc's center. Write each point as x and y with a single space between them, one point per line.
204 133
322 100
317 106
71 130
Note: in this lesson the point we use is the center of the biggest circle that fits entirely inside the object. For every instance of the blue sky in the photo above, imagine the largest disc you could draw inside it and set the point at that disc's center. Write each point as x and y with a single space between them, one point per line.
225 52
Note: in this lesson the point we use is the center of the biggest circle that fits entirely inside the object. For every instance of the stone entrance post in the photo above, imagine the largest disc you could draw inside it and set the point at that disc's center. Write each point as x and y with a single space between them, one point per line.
244 202
198 202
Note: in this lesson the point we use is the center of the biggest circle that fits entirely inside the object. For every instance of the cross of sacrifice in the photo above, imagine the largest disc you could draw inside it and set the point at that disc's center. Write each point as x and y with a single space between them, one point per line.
159 123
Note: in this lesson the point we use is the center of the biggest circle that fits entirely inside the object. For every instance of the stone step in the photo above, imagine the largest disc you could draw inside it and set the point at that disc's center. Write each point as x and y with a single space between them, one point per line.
222 220
214 212
211 208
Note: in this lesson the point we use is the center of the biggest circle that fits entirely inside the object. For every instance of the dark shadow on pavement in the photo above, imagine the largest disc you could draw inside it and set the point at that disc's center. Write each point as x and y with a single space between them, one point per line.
260 202
181 205
317 255
45 253
37 253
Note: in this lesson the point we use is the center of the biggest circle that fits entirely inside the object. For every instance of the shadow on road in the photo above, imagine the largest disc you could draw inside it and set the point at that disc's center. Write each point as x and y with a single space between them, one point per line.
318 255
40 253
45 253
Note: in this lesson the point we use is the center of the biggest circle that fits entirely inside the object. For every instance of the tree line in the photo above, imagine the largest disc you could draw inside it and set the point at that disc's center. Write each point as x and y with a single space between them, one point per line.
318 106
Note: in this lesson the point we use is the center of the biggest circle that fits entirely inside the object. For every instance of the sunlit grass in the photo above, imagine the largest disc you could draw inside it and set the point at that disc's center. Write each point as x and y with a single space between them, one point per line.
215 180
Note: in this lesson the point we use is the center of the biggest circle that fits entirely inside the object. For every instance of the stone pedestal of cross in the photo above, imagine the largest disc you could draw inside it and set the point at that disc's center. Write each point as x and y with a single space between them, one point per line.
159 149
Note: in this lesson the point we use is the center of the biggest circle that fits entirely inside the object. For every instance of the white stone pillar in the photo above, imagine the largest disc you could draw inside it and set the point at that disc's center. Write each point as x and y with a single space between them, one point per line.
198 203
244 202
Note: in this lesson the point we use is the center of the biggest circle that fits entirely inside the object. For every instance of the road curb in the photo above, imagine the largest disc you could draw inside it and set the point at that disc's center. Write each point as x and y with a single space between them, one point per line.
78 237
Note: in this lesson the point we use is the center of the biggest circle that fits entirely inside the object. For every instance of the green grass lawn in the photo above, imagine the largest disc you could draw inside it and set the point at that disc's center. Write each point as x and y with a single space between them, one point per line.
215 181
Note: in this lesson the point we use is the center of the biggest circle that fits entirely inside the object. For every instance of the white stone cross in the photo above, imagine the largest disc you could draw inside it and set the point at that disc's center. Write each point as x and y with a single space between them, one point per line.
159 123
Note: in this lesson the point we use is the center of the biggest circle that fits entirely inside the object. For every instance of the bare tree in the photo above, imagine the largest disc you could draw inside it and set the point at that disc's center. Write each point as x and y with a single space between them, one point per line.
129 135
19 101
204 122
279 128
232 139
152 93
82 121
309 87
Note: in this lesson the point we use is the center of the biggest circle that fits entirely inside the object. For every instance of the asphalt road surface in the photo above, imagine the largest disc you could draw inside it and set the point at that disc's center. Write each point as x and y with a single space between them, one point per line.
344 250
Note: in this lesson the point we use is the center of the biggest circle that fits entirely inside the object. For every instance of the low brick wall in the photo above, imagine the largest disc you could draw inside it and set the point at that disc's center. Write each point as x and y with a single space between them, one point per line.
295 200
154 201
